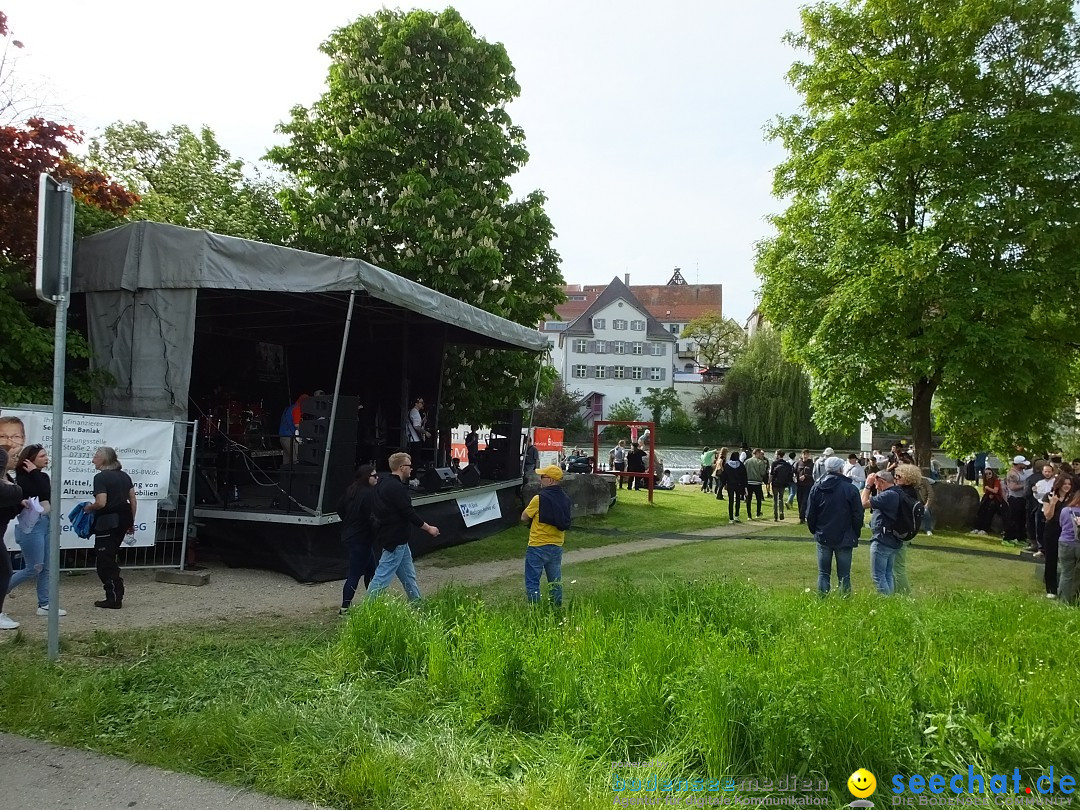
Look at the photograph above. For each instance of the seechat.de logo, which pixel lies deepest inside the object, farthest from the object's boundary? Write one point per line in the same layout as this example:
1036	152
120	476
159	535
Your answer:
862	785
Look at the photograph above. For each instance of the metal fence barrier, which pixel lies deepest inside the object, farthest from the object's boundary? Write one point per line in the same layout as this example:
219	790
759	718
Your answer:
173	527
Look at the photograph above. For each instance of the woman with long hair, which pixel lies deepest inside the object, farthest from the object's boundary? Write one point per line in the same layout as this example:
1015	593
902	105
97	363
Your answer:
34	542
993	501
357	533
1069	549
1065	487
718	469
114	508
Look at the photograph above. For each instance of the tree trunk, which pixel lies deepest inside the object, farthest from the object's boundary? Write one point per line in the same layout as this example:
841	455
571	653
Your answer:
921	423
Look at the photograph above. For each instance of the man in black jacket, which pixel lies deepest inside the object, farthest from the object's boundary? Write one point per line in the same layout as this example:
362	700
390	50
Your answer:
834	515
394	516
781	475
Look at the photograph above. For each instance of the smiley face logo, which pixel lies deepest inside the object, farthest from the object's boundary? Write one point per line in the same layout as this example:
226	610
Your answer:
862	783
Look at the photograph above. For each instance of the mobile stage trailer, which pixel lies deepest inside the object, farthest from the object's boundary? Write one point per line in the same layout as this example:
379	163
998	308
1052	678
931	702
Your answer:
188	321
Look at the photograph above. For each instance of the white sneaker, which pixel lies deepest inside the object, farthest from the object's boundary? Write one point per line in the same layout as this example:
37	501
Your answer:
929	534
1051	596
7	623
44	611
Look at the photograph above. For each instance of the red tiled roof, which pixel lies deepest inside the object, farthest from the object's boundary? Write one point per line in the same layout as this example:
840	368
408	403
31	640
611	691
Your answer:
684	301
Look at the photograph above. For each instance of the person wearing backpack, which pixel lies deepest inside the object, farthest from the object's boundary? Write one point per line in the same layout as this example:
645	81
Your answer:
892	512
549	514
733	478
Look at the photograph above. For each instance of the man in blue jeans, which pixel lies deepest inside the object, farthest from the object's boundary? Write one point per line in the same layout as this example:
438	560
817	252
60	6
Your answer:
549	514
393	515
834	516
880	496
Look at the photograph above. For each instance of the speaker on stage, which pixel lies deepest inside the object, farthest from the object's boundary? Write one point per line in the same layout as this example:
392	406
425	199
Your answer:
505	446
470	476
438	479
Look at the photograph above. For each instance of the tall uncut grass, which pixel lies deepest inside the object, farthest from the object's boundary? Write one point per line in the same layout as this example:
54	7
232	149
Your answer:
461	704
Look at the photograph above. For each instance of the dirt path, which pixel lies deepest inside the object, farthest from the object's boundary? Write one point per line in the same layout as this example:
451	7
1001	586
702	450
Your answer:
240	593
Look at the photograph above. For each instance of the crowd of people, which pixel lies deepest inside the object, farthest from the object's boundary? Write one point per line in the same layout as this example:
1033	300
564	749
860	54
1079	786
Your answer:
25	497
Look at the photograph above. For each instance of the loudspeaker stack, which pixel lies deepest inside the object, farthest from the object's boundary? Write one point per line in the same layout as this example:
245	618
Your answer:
316	449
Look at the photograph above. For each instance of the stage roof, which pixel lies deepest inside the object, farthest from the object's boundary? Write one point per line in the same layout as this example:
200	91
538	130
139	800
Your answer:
156	256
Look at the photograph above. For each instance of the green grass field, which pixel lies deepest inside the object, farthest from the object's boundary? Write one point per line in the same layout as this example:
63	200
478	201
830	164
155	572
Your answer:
708	658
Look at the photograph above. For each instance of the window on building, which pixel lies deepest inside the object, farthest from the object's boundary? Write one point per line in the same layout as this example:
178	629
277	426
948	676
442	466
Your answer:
637	390
555	326
579	371
598	323
637	326
618	323
581	345
577	298
618	347
601	346
639	347
618	373
601	372
674	328
657	349
654	374
551	344
635	373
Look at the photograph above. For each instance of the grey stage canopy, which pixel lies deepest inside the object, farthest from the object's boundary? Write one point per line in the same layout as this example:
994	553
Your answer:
143	280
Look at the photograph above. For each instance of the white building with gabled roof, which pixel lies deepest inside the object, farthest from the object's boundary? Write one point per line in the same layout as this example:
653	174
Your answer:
613	350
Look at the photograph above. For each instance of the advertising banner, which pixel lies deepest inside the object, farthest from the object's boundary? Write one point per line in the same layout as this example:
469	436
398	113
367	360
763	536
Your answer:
548	439
479	508
143	446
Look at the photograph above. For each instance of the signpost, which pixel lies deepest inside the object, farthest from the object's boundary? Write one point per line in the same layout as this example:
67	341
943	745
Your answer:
56	228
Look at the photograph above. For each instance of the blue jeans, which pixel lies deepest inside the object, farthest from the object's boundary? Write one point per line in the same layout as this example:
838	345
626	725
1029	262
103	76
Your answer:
34	546
549	560
397	562
825	557
881	566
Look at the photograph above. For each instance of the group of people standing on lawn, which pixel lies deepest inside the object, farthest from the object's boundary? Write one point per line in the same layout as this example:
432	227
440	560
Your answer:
25	497
1039	507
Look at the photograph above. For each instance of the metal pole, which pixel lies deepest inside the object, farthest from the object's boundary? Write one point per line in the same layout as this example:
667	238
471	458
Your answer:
56	459
189	504
334	404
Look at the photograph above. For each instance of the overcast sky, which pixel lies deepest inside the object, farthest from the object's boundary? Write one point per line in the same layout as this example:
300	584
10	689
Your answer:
644	121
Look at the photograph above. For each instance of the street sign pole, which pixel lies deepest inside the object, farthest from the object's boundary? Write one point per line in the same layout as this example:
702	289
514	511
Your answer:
56	228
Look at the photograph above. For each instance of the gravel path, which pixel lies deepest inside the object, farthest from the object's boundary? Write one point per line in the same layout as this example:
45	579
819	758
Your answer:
234	593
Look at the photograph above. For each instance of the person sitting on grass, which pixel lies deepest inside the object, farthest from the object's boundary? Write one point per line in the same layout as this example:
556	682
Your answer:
549	514
665	481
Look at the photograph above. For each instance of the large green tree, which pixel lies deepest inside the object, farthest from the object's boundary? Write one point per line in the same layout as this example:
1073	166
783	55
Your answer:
405	161
768	398
26	324
719	340
928	249
187	178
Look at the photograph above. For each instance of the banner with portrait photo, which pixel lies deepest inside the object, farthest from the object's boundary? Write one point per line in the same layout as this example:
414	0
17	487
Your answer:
143	446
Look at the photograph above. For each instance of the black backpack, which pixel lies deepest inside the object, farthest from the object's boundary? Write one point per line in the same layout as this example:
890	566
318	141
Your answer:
909	517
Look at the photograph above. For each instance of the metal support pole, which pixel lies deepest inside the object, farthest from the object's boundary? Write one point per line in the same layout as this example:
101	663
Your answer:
56	458
189	503
334	404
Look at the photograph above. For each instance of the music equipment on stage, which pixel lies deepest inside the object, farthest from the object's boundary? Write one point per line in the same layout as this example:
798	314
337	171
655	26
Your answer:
500	460
438	479
302	481
470	476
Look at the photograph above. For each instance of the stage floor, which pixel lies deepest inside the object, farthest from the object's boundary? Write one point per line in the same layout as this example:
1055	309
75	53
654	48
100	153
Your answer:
258	504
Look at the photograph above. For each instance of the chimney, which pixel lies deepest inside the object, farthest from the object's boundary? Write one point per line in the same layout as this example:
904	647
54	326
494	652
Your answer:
627	279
